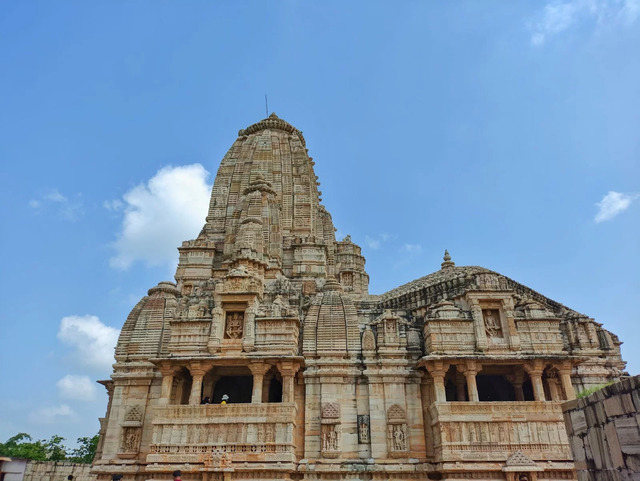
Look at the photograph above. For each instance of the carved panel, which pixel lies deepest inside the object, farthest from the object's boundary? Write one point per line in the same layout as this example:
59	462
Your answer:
330	437
397	435
368	341
492	324
130	439
396	413
234	325
363	429
331	411
134	414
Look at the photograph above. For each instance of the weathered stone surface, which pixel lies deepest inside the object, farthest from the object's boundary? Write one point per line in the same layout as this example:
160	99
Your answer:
459	374
611	438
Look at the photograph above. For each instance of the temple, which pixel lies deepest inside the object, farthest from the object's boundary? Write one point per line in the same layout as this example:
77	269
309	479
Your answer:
268	359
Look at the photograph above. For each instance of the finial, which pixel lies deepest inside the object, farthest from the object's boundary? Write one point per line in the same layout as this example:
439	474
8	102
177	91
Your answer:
447	261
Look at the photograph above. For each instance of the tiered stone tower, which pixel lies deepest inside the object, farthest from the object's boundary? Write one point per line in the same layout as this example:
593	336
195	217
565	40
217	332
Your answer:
457	375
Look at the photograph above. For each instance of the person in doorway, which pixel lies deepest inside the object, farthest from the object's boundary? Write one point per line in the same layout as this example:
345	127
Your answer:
177	475
225	398
206	400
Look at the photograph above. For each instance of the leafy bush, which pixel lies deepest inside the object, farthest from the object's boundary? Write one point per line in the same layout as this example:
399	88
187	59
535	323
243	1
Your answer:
593	389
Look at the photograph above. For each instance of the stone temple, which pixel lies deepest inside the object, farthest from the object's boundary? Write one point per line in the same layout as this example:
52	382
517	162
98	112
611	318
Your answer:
457	375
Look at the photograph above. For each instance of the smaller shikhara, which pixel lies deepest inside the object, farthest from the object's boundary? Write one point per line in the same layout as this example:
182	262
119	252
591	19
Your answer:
268	359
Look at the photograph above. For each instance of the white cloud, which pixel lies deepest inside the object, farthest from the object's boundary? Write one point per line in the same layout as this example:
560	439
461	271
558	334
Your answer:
51	414
613	204
55	196
558	16
113	205
76	387
93	341
376	241
171	207
68	209
413	248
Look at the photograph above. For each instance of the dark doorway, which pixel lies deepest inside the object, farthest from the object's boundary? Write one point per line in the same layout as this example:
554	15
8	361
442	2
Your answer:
275	391
527	390
238	388
495	388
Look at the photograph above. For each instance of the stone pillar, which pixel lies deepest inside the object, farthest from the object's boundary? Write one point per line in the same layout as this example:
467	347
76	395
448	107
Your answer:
516	381
470	373
535	373
167	384
438	370
287	371
552	382
461	394
567	386
197	373
258	370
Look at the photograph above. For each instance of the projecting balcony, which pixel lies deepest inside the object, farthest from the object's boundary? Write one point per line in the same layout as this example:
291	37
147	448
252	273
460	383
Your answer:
492	431
240	432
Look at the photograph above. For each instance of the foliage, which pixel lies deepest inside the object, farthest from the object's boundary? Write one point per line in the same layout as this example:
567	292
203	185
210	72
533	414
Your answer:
22	446
592	389
86	450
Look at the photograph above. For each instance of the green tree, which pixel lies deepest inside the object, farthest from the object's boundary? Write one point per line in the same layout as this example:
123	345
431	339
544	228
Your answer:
21	446
55	450
86	450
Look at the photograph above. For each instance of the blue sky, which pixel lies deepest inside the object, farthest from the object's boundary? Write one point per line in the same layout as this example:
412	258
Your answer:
506	132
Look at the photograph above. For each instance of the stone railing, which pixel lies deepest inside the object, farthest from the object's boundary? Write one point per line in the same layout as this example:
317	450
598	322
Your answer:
245	432
226	413
492	431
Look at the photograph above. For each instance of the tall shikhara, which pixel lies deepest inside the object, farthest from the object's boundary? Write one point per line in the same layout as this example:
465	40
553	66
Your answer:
457	375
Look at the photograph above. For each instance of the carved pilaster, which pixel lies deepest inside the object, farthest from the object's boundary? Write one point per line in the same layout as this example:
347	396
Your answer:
249	340
478	328
217	327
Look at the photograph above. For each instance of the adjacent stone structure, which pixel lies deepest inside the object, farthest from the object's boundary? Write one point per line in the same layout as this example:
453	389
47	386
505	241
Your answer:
604	432
457	375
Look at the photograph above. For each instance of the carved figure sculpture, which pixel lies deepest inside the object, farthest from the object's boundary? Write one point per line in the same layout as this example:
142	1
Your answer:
235	321
363	428
492	323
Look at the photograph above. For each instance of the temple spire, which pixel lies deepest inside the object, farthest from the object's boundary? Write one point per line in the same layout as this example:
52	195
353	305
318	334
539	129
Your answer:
447	261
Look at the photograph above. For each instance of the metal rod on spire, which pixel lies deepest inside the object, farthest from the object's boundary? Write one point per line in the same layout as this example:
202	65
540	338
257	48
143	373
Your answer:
266	105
